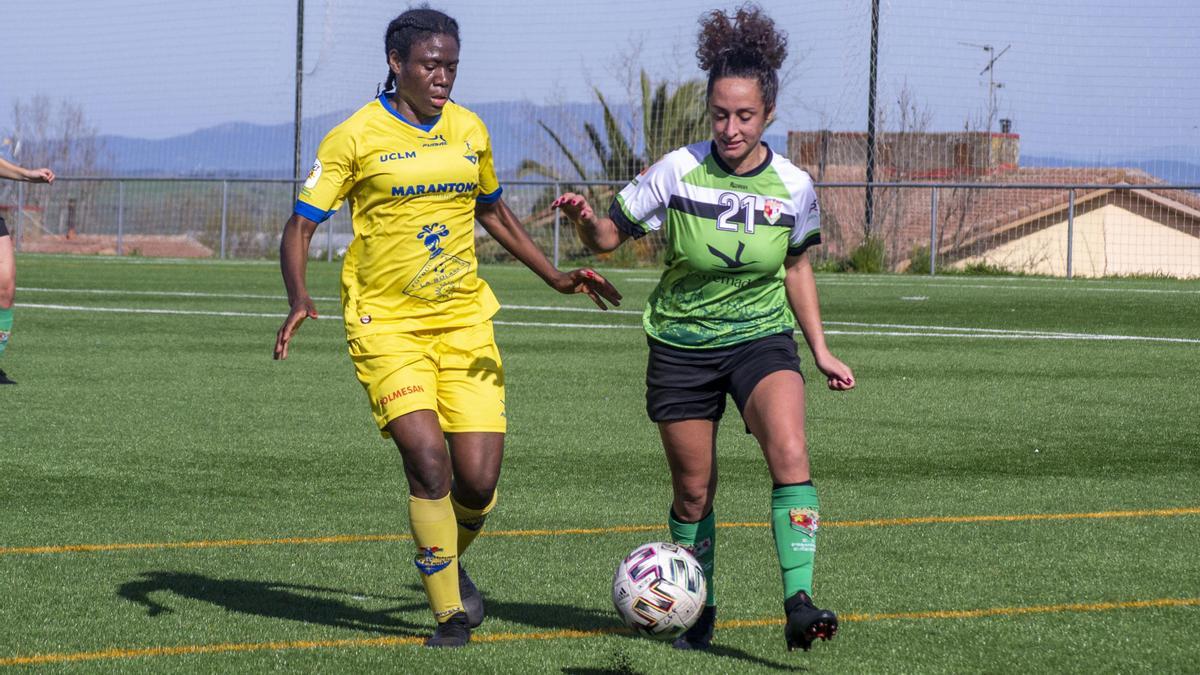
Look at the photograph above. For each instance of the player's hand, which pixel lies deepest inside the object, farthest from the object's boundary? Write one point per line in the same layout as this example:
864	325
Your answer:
40	175
303	309
839	376
587	281
575	207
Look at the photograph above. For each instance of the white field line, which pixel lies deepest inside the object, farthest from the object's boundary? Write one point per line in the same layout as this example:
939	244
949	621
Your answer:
167	294
935	284
931	284
283	299
909	330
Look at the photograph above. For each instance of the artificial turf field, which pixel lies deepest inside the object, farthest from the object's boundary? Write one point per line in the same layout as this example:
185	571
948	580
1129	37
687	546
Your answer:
1014	485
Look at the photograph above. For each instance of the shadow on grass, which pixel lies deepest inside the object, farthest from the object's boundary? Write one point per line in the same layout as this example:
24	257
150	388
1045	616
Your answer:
622	665
337	607
308	604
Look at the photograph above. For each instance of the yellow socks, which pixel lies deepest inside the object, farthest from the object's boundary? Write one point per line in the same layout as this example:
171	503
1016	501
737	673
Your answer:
436	535
470	521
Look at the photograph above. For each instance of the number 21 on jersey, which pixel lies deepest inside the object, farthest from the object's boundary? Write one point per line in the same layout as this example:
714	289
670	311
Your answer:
733	206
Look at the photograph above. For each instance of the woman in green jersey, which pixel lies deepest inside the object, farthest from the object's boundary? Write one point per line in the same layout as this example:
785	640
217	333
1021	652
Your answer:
8	263
738	219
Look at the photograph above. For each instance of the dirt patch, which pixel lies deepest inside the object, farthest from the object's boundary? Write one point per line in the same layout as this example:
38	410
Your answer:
154	246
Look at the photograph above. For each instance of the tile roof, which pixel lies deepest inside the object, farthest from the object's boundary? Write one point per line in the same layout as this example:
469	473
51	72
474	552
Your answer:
968	216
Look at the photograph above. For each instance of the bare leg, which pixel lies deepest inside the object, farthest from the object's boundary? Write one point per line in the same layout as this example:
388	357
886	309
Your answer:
475	458
691	447
8	273
423	449
775	415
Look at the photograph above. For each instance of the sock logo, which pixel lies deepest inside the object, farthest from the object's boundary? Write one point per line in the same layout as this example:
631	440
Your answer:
805	520
473	524
701	547
429	562
446	614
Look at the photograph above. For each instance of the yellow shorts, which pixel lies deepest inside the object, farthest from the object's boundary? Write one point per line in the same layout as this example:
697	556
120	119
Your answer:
455	372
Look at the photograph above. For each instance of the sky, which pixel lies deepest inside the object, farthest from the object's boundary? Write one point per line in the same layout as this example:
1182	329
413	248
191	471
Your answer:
1081	78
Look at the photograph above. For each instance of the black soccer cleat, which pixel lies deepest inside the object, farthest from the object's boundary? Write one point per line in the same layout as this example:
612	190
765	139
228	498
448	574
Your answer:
472	599
806	623
699	636
453	632
4	378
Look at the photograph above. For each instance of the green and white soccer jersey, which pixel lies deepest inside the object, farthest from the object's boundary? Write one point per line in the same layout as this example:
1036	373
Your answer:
727	237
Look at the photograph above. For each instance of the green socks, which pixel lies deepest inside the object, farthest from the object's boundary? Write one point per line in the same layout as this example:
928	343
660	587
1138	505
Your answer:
699	537
795	517
5	327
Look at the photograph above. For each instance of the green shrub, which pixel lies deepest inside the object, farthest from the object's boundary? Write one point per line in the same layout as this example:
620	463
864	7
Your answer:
867	257
984	269
918	260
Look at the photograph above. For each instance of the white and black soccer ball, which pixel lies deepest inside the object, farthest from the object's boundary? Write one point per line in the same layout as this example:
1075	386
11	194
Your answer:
659	590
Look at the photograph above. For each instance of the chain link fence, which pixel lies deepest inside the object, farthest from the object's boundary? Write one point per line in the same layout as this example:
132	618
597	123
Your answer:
1081	229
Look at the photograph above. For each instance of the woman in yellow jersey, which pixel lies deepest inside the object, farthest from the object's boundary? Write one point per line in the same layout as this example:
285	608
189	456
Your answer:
417	171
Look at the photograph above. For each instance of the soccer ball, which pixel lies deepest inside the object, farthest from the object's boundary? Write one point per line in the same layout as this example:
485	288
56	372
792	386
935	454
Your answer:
659	590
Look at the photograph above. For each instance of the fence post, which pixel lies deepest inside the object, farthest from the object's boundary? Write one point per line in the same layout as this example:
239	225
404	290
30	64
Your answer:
557	222
121	217
329	240
224	211
933	206
20	216
1070	232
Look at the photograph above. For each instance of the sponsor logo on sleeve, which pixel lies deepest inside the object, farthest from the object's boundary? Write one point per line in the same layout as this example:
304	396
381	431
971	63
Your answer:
314	175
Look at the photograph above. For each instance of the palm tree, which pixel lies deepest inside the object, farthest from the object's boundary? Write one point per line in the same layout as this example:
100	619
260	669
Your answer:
670	119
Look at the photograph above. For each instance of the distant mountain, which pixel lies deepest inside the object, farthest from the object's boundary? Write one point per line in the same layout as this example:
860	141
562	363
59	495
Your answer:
1171	171
265	151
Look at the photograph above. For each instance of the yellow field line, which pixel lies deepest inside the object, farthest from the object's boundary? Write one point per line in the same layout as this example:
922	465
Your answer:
618	529
395	641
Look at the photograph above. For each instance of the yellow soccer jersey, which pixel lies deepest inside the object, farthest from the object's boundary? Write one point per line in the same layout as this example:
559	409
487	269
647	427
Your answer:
412	191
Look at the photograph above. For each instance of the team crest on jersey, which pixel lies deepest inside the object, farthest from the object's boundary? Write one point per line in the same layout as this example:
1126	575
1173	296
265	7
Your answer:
431	236
314	175
805	520
470	156
772	209
429	562
439	278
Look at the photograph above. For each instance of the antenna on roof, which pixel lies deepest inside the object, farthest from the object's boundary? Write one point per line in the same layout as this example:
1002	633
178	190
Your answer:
990	69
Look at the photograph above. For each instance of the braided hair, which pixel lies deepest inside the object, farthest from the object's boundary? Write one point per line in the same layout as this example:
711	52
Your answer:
745	44
413	26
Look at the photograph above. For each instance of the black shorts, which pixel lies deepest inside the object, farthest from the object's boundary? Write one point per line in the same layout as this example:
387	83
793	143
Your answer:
688	384
3	228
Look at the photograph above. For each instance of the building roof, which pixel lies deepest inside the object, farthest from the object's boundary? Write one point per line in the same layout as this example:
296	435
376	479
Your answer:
970	218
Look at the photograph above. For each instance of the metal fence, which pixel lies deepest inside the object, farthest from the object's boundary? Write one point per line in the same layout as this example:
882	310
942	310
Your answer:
1082	229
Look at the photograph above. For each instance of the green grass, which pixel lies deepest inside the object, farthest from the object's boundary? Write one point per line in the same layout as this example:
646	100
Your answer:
160	428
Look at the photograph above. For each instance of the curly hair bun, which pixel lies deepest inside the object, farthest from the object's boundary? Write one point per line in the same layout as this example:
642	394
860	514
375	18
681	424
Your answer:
747	39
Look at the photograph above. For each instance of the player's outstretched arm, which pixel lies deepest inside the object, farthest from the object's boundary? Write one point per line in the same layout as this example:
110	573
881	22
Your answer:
599	234
801	288
506	228
13	172
293	262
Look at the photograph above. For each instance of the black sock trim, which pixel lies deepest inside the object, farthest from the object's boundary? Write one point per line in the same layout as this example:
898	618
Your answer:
808	482
675	516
